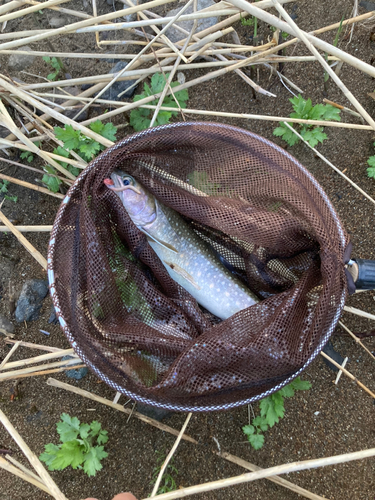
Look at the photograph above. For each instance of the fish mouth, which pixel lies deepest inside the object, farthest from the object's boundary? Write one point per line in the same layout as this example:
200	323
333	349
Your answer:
117	181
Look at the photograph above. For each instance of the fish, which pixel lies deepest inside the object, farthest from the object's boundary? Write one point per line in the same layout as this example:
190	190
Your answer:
188	259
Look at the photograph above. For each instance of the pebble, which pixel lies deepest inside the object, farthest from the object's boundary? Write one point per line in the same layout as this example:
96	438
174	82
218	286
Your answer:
18	62
6	325
57	21
31	299
117	88
76	373
52	317
175	35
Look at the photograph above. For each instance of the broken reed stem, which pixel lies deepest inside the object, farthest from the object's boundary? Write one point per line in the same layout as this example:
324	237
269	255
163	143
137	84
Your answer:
170	455
36	359
354	337
22	467
36	464
24	242
48	372
266	473
28	229
302	36
7	334
29	10
4	464
348	374
30	345
68	363
86	394
8	356
358	312
331	165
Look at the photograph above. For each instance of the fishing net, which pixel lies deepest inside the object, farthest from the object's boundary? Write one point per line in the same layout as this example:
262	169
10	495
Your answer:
143	334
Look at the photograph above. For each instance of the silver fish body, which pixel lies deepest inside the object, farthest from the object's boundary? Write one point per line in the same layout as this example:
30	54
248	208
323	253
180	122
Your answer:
188	259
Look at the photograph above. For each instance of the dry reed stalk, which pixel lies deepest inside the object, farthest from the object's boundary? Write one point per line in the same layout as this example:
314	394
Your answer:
348	374
22	467
8	356
70	12
344	89
67	364
358	312
10	6
332	166
354	337
4	464
29	10
71	28
36	359
226	456
95	14
28	229
170	455
30	186
30	345
43	474
128	67
47	372
7	334
24	242
266	473
86	394
343	108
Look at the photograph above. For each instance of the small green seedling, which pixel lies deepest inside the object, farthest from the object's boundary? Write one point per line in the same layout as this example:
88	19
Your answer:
167	483
80	446
75	141
305	110
56	64
271	410
4	189
140	118
371	169
28	155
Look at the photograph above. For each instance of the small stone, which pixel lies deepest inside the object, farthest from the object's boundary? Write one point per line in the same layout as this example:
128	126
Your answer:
316	413
52	317
57	21
30	301
18	62
6	325
175	35
117	88
75	373
181	78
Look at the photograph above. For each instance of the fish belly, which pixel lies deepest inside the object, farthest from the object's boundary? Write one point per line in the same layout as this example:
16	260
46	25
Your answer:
196	268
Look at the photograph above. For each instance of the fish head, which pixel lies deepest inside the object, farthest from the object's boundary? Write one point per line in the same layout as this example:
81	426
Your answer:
138	202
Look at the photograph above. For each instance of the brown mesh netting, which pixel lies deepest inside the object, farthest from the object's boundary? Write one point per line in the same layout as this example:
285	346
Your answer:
145	335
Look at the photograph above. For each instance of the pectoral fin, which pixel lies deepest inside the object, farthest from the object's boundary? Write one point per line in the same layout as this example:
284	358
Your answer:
159	242
179	270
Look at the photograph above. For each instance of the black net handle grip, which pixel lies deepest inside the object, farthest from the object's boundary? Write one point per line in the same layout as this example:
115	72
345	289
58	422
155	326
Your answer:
366	274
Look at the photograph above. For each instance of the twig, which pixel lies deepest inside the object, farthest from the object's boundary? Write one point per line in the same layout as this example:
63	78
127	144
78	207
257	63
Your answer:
343	108
69	363
170	455
8	356
36	359
340	371
28	229
29	10
348	374
29	247
22	467
26	477
31	186
48	372
45	477
34	346
356	338
7	334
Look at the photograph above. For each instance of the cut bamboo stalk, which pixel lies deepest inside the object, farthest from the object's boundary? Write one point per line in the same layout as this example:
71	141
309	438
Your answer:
332	166
31	186
29	247
170	455
28	229
34	346
70	363
22	467
302	36
8	356
26	477
348	374
354	337
76	390
36	359
43	474
266	473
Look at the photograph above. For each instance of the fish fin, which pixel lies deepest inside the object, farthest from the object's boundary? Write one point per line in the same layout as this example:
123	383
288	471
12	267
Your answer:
160	242
179	270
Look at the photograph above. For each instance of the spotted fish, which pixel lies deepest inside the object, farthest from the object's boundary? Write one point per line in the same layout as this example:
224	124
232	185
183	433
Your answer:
189	260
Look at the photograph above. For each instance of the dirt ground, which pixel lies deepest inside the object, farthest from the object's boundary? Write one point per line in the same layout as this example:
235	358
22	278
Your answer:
326	420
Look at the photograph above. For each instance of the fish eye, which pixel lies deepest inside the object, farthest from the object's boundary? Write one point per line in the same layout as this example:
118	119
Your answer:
126	181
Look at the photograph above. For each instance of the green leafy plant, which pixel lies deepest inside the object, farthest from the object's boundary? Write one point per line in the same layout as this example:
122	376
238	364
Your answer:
305	110
28	155
371	169
78	448
74	140
271	410
167	483
56	64
250	21
140	118
4	189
